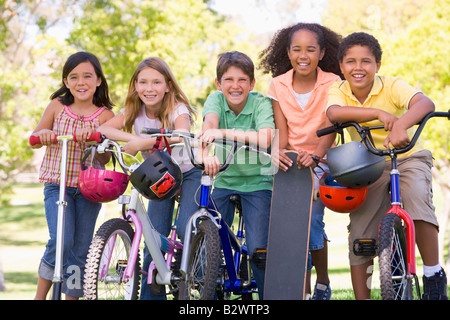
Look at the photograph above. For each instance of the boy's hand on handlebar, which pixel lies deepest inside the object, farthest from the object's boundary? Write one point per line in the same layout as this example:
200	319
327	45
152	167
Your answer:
210	162
208	136
398	138
387	119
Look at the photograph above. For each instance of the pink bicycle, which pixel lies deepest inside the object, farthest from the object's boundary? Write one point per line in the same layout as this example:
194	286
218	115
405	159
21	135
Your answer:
113	263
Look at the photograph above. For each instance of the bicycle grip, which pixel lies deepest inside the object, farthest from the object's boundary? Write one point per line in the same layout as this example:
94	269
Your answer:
325	131
96	136
155	131
37	140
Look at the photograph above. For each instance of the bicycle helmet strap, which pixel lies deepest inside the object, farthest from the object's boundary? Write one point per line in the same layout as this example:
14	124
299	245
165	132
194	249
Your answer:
158	144
87	152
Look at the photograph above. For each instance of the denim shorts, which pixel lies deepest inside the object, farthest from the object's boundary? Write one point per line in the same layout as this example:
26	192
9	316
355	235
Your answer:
80	217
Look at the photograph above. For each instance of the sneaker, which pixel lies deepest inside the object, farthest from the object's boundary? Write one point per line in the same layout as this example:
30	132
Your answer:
435	287
322	291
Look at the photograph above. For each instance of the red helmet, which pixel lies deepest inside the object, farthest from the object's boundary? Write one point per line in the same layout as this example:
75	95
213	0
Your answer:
339	198
100	185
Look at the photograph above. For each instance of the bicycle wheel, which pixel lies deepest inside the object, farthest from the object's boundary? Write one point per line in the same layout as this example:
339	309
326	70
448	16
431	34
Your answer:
203	265
106	263
394	281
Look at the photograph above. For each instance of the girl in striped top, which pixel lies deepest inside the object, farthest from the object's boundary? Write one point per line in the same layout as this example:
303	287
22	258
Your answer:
78	108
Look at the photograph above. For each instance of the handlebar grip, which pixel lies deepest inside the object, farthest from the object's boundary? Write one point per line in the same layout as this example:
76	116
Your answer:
325	131
37	140
97	136
155	131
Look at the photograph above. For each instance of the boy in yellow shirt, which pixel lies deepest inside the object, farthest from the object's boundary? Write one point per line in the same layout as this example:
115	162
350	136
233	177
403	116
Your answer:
372	100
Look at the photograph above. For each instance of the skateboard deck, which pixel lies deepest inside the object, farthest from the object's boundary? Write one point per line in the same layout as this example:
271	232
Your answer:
287	248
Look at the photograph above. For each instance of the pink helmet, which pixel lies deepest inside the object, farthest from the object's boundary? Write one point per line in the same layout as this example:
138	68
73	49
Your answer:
100	185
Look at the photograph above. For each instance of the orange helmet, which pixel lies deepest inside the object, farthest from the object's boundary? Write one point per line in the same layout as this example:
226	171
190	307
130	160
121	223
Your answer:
339	198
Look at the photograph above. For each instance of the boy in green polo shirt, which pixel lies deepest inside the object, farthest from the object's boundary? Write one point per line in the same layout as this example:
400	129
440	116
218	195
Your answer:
372	100
236	113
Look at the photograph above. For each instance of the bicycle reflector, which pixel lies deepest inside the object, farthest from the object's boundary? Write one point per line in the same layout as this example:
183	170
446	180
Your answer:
339	198
352	165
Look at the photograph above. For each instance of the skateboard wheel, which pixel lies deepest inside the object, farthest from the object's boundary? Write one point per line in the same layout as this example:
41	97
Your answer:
316	195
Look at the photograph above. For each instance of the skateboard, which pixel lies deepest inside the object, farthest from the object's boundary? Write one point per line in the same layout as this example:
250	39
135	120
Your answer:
289	225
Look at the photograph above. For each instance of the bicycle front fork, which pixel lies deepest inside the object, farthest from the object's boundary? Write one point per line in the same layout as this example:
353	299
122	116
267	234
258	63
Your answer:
409	223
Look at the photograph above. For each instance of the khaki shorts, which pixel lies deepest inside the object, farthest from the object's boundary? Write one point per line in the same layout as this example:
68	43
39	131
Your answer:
416	196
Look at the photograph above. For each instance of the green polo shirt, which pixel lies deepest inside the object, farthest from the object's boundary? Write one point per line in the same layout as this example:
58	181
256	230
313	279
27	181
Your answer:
249	171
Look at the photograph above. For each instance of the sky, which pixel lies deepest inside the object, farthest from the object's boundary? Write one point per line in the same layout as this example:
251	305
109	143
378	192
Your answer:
261	16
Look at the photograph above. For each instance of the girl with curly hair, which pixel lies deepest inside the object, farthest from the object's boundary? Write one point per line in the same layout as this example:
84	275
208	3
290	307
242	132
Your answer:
303	62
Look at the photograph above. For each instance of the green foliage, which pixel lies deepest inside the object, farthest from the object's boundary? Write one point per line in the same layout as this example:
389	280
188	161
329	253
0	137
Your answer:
25	82
186	34
414	38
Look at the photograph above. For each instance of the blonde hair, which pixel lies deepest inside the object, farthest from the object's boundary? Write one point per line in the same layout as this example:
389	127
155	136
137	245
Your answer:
133	103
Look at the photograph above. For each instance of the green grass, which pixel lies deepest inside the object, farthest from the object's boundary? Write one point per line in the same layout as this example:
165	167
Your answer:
23	235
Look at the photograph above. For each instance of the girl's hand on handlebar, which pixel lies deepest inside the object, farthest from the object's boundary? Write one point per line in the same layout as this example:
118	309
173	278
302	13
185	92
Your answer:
47	137
81	135
133	146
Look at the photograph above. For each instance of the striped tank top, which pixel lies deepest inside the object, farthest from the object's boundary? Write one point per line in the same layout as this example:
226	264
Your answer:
66	123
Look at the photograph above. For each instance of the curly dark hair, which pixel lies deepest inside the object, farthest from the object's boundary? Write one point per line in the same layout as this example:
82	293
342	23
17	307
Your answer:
360	39
275	59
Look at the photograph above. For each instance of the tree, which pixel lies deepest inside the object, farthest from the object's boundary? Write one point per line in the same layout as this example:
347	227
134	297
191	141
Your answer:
25	60
186	34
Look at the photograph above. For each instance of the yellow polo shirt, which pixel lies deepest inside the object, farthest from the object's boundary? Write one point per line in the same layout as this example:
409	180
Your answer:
391	94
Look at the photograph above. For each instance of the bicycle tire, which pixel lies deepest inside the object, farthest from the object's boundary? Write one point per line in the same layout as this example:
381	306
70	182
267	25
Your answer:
394	281
111	286
203	264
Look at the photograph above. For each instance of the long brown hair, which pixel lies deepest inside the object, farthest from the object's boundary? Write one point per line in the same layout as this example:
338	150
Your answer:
133	103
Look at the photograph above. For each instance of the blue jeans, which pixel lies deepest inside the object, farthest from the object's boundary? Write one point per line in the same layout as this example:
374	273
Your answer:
256	212
161	215
317	231
80	217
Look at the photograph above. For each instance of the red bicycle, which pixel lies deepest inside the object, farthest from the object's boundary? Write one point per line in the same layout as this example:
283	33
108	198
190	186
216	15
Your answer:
396	238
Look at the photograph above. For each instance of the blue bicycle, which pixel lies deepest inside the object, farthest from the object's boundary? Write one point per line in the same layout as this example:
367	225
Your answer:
215	262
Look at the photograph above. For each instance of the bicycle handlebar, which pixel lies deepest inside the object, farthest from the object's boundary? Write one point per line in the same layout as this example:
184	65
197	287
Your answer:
364	133
236	146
